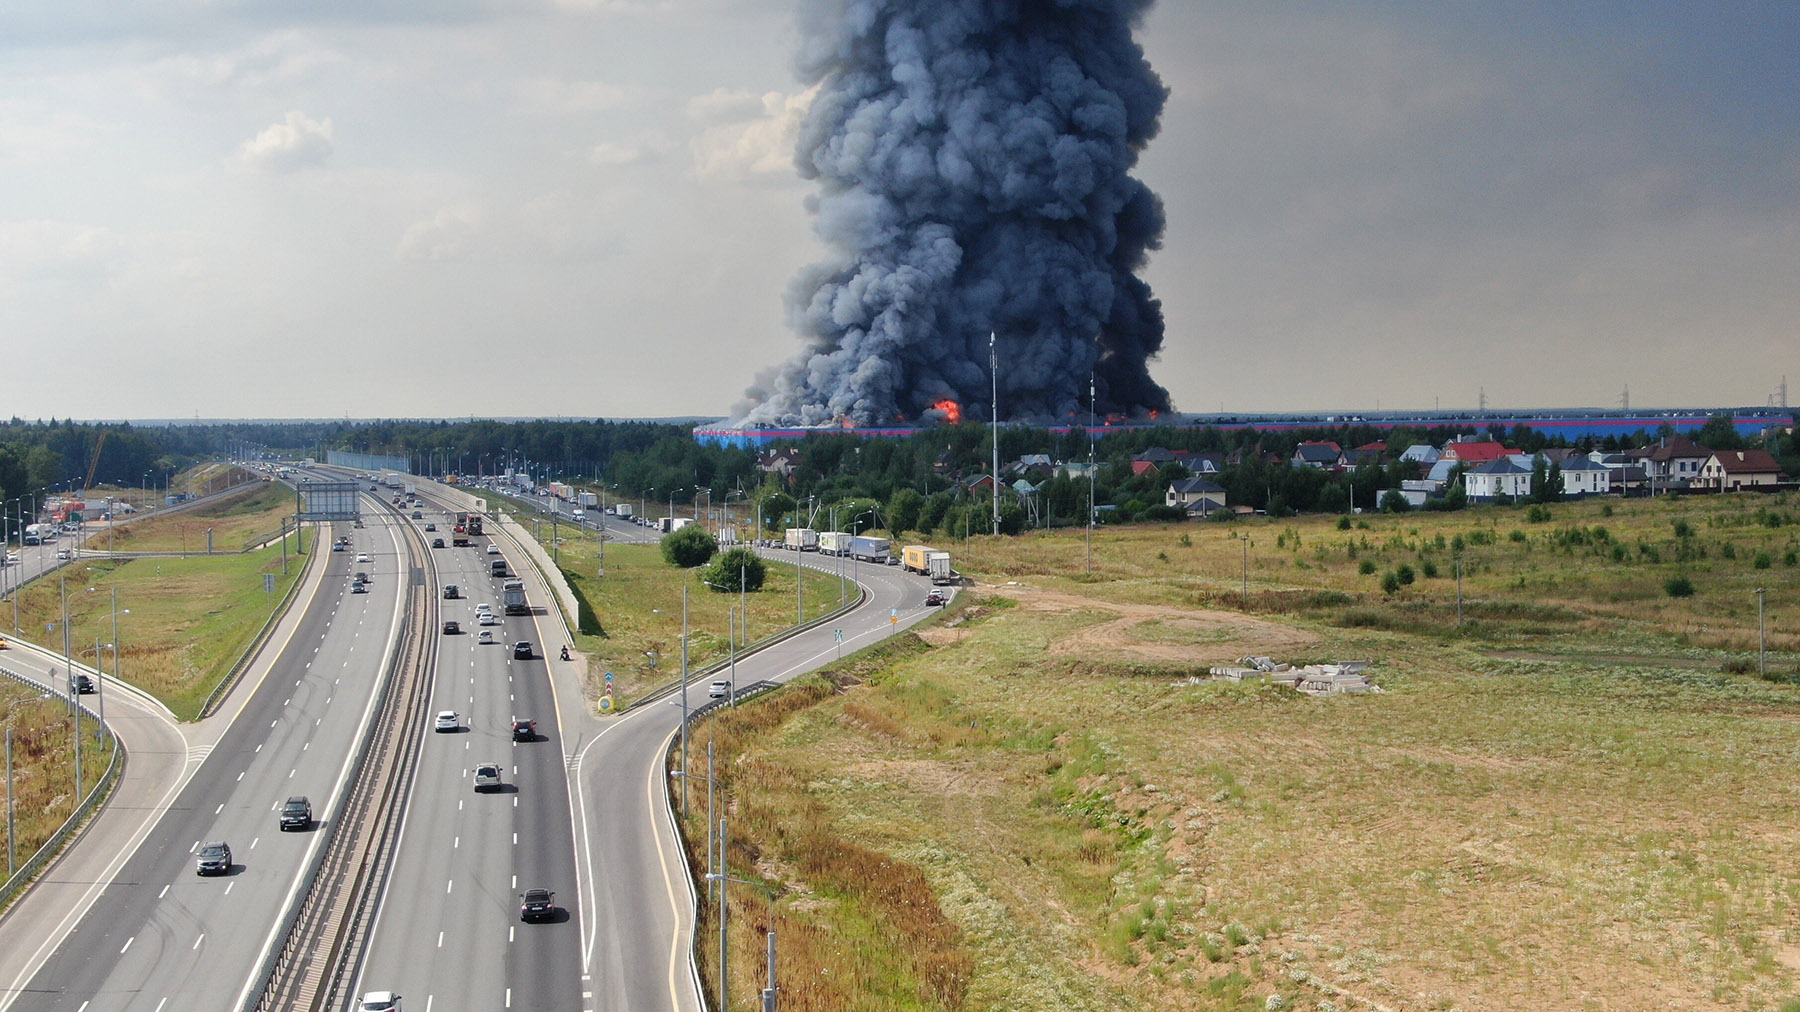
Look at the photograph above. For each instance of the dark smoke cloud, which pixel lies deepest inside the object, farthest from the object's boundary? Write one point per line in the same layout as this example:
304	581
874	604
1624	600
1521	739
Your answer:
973	161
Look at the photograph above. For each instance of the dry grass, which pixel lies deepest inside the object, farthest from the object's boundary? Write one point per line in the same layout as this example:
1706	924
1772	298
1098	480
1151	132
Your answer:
43	764
244	518
1598	828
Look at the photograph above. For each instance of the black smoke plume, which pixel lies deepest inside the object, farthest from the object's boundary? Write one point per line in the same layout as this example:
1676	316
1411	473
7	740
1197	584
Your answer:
973	160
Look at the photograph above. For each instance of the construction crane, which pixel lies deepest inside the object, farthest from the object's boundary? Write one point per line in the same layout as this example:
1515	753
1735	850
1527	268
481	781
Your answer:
94	465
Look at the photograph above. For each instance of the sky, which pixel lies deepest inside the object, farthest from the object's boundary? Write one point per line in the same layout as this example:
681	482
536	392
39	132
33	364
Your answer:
379	208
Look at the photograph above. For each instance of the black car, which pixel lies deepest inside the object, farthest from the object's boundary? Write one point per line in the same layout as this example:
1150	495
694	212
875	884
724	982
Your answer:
213	859
430	527
537	904
437	542
451	592
296	813
452	627
81	683
524	729
522	651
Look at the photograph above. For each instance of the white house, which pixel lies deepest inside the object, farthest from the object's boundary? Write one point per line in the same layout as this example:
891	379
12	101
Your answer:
1582	477
1500	476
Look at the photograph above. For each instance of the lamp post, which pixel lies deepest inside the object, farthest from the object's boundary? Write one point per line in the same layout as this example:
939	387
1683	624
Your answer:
710	791
724	877
1762	639
684	699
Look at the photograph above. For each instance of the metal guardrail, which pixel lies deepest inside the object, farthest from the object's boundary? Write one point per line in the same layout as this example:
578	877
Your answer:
51	847
338	893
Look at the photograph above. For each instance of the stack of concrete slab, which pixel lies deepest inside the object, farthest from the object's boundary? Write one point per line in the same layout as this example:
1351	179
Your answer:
1313	679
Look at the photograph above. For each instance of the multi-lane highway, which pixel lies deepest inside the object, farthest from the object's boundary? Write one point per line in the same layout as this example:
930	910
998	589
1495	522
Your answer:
582	811
158	936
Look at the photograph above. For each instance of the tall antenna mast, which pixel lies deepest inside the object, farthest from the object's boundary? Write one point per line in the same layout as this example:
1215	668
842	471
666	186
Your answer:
1625	399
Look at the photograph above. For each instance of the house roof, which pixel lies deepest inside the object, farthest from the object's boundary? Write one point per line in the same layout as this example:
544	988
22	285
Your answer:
1202	462
1195	486
1500	465
1143	466
1475	452
1424	453
1679	448
1376	447
1581	464
1747	461
1440	469
1321	453
1156	454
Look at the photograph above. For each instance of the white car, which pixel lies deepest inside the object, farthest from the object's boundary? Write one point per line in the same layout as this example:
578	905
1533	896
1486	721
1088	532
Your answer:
719	689
484	637
379	1001
363	557
489	618
447	720
63	553
493	549
484	608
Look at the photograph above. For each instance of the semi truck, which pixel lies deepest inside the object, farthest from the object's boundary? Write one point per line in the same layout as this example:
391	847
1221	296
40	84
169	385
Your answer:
802	539
927	561
833	542
512	597
870	549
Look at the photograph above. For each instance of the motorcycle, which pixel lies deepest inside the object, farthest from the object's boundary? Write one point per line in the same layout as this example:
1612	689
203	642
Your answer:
565	653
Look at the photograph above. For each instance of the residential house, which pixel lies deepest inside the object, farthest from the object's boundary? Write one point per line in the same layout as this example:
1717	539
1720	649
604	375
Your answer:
1473	452
780	462
1417	490
1368	453
980	484
944	464
1439	473
1196	495
1676	461
1156	455
1584	477
1210	462
1139	468
1424	454
1488	481
1323	455
1078	468
1731	470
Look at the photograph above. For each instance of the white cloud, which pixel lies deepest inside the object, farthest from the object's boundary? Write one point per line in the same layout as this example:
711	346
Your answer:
725	105
761	145
44	248
547	95
447	235
609	155
298	142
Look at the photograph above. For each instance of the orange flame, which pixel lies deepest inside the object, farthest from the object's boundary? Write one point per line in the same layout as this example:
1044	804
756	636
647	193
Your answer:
1154	414
952	411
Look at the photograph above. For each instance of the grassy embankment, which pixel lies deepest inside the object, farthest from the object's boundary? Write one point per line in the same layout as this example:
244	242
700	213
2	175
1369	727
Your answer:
638	603
189	619
44	764
249	516
1574	801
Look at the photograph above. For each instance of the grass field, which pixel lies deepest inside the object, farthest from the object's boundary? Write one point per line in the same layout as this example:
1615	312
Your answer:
43	753
237	521
1577	799
183	622
638	603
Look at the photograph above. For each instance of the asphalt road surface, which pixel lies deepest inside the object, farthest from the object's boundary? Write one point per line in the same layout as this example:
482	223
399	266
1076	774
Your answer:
159	936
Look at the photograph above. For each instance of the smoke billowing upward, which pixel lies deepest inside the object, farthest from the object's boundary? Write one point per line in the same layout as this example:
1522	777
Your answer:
973	161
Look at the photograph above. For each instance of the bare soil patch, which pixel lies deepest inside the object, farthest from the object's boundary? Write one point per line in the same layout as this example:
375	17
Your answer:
1200	635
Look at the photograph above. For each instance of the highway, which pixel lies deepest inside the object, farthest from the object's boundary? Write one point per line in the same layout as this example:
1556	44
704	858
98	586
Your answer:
448	934
158	936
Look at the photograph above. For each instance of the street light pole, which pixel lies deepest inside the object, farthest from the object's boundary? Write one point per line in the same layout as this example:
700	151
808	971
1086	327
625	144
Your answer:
1762	639
684	702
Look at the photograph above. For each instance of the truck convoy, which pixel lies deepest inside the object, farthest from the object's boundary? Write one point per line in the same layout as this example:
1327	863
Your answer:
833	542
512	597
802	539
928	561
844	545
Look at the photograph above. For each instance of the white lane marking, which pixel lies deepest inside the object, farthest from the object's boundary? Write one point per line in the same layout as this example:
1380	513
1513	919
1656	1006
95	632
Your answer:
509	990
195	847
165	892
160	1004
241	775
515	839
228	886
440	945
305	746
272	723
259	748
254	842
288	701
219	809
128	942
197	941
456	844
448	886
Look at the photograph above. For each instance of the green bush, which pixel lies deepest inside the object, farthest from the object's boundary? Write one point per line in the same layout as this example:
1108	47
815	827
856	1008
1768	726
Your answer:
1390	582
728	566
689	547
1537	514
1405	573
1343	523
1763	560
1679	586
1366	567
1429	568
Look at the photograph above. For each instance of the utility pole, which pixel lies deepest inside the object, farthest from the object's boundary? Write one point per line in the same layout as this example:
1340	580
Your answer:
11	862
1088	550
724	956
684	705
1762	638
994	403
1459	619
1246	574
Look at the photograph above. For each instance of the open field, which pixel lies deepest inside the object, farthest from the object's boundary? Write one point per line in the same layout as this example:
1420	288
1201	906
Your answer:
43	753
638	603
237	521
182	624
1579	799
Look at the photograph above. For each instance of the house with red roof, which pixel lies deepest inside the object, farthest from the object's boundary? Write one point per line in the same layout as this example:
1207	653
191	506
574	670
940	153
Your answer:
1474	452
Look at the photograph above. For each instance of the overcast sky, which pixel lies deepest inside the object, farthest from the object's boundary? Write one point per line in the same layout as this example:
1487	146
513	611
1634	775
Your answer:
273	208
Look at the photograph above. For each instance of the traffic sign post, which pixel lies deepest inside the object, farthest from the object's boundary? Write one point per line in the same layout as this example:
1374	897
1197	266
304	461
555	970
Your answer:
838	634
